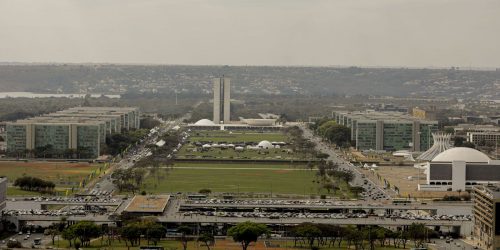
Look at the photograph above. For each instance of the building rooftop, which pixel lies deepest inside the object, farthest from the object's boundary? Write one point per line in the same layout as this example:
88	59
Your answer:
385	116
461	154
148	204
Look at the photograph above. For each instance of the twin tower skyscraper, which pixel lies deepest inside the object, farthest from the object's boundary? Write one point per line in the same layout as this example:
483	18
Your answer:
222	100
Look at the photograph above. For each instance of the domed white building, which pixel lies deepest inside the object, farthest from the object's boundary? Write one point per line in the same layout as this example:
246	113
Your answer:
461	154
460	169
204	122
265	145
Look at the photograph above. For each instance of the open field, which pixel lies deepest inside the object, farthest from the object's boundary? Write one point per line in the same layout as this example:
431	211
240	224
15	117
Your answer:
236	136
398	175
13	191
63	174
251	178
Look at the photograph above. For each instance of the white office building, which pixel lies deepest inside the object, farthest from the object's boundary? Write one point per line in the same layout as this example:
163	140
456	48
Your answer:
460	168
222	100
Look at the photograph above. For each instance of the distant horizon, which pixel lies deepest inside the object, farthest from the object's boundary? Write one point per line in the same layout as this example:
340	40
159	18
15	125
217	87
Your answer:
248	65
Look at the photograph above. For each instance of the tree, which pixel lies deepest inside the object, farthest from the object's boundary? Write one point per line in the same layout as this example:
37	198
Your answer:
53	232
338	134
185	232
85	231
207	240
155	232
69	235
247	232
138	174
417	232
132	233
205	191
308	231
330	186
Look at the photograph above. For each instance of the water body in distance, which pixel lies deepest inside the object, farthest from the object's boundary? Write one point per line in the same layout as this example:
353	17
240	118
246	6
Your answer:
37	95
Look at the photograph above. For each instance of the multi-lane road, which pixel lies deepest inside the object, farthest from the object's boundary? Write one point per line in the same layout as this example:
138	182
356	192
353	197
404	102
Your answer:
376	192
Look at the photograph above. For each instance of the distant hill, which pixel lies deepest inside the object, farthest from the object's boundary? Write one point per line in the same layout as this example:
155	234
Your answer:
133	79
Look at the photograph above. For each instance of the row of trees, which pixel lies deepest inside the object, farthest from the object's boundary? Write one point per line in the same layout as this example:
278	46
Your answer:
116	143
361	237
299	143
308	235
34	184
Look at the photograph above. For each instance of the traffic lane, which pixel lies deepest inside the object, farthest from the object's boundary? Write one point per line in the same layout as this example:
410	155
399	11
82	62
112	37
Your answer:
457	244
358	180
27	240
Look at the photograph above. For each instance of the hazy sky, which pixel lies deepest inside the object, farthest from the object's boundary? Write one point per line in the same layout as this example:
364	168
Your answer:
253	32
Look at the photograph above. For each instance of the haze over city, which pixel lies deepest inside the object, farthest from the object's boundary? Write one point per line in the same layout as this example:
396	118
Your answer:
423	33
250	124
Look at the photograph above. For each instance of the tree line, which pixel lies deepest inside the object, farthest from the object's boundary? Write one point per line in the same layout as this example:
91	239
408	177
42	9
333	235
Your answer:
29	183
305	235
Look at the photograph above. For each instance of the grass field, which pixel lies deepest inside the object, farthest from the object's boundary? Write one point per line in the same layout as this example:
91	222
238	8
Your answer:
249	178
13	191
63	174
236	136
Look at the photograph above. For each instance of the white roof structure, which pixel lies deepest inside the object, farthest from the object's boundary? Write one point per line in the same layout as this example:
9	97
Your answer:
265	145
204	122
462	154
160	143
442	142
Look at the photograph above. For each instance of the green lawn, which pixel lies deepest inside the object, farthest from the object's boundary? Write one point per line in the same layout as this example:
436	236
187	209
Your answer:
63	174
13	191
265	178
236	136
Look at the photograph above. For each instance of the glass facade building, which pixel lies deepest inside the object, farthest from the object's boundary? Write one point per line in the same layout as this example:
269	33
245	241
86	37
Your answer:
82	130
388	131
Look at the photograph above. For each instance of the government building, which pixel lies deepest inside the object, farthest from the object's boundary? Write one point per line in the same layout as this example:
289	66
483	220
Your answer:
461	169
79	130
390	131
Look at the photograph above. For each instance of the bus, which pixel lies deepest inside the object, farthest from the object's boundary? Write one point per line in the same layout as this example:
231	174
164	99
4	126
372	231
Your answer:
401	201
197	197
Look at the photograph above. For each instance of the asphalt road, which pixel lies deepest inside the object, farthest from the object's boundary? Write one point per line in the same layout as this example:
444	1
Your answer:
456	244
325	147
27	242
